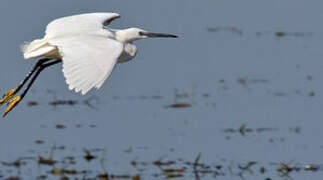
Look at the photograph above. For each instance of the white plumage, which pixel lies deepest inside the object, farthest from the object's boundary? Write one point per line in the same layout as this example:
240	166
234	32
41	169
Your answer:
81	23
88	50
87	60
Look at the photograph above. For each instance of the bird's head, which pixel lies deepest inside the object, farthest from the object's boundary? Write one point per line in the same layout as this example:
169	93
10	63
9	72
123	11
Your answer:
132	34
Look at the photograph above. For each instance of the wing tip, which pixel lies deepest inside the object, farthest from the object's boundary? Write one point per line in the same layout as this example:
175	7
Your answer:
81	90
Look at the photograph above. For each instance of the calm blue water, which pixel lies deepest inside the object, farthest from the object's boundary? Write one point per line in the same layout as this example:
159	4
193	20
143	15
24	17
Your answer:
254	65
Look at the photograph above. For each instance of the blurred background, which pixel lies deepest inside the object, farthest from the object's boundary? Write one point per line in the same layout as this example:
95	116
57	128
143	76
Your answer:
237	96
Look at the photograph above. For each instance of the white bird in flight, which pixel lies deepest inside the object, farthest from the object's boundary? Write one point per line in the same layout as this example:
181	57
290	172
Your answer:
86	47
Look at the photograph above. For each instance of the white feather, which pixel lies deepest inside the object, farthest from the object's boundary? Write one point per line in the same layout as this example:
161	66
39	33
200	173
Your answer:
65	26
88	60
78	24
87	49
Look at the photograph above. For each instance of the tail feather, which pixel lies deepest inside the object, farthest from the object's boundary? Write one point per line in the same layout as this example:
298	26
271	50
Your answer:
36	48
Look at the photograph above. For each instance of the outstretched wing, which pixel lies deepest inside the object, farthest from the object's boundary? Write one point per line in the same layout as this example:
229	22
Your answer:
79	23
88	60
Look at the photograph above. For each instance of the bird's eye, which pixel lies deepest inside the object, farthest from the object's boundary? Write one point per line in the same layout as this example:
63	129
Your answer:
141	33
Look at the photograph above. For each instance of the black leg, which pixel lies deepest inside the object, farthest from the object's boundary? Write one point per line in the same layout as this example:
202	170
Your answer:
37	68
41	67
31	72
9	94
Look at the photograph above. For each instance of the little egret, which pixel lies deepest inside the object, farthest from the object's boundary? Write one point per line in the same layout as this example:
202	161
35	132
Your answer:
86	47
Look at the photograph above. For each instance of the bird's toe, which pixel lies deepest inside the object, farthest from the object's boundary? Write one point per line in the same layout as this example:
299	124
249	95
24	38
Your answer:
12	103
7	96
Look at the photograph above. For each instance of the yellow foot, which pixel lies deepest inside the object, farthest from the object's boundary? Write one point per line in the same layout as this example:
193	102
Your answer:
12	104
7	96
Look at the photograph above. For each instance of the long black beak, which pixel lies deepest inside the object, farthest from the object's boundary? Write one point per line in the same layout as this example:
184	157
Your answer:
151	34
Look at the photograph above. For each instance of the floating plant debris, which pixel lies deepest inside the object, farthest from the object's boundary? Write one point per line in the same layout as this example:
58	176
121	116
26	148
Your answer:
46	161
234	30
242	81
179	105
60	126
32	103
88	156
12	178
170	168
280	33
39	142
166	163
294	34
63	102
243	129
16	163
174	176
57	171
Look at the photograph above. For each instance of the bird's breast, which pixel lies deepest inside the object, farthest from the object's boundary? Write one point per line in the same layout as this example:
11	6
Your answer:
128	53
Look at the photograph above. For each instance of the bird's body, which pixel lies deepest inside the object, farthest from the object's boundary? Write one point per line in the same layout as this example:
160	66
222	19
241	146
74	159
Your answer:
46	47
86	47
58	38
